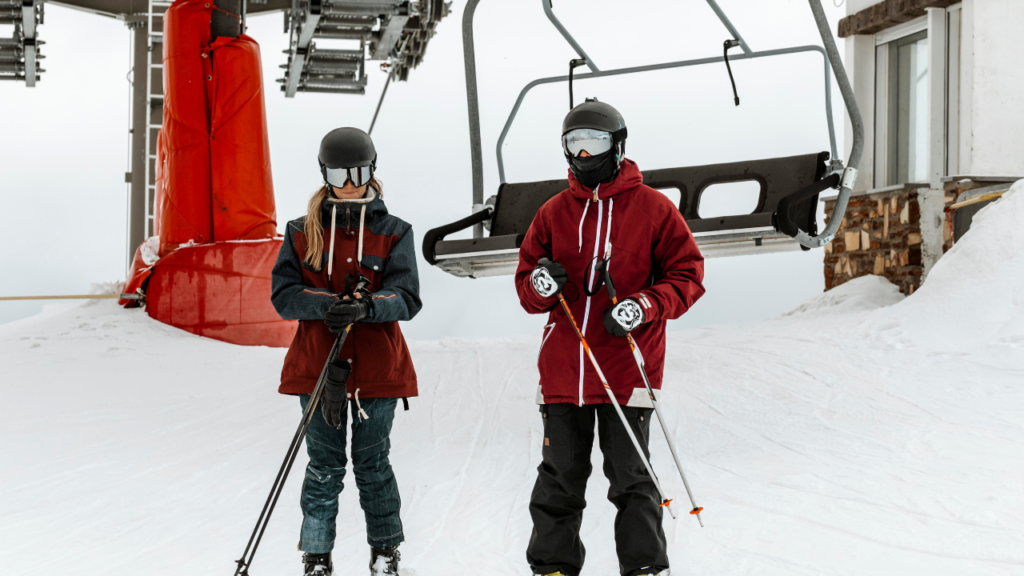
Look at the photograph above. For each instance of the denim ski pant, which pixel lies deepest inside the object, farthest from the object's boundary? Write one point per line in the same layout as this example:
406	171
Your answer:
558	498
378	490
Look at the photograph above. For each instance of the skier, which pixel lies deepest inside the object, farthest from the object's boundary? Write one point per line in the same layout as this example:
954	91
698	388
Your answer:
606	214
348	233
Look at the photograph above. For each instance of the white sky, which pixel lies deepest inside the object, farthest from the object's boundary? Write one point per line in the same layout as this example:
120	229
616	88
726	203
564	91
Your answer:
64	144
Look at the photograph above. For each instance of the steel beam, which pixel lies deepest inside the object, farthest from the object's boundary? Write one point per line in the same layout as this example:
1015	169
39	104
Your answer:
388	36
473	104
303	31
28	29
140	120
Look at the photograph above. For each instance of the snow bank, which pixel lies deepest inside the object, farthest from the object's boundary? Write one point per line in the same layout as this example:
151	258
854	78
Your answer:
973	296
863	294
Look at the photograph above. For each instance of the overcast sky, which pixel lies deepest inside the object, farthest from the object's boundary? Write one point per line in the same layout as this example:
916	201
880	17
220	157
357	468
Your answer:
64	144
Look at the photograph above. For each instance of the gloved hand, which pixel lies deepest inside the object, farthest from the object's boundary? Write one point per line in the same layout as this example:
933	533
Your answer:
345	312
548	278
623	318
335	396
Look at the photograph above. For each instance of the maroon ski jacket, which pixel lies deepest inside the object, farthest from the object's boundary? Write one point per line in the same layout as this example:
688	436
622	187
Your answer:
654	260
370	242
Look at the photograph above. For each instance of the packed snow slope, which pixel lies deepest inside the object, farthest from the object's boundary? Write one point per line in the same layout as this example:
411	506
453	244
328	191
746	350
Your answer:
862	433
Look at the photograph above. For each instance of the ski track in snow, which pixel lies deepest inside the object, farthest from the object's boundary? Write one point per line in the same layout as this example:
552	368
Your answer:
862	433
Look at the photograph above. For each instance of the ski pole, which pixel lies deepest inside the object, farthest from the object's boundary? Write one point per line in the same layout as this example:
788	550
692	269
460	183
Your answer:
279	484
665	501
282	474
354	284
650	391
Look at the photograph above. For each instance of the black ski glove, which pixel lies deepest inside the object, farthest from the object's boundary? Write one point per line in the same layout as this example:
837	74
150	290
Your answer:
345	312
548	278
623	318
335	397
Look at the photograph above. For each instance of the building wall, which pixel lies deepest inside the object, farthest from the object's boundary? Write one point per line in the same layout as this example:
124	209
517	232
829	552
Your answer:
997	95
900	232
880	235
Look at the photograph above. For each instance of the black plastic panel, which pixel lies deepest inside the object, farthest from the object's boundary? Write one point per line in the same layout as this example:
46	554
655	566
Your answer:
474	245
518	203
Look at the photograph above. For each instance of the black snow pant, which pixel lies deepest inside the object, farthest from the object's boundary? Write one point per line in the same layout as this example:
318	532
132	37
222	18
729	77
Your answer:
558	496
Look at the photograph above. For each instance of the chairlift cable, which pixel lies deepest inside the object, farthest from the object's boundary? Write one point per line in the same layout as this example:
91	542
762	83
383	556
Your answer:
380	102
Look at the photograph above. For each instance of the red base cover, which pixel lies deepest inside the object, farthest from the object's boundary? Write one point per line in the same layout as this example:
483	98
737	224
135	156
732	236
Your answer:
220	291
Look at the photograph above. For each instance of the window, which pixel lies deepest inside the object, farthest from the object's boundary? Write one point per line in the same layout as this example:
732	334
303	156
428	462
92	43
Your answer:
901	117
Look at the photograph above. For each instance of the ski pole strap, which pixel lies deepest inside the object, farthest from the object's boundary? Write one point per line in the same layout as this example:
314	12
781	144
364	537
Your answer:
405	403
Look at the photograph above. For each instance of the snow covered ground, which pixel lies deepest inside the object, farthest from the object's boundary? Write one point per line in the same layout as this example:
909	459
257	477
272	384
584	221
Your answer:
862	433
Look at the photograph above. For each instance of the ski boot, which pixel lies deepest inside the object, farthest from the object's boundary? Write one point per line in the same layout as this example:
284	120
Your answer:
384	561
318	564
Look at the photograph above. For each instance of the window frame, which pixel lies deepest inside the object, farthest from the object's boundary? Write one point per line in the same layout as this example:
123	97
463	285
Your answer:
884	141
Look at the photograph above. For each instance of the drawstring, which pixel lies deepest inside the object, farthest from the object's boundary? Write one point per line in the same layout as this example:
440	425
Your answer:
330	257
359	249
366	200
584	217
608	234
362	414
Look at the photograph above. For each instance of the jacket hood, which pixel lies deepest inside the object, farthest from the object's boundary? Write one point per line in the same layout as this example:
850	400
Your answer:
629	178
375	207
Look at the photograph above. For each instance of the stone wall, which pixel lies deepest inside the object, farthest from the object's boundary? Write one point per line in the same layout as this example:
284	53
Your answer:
880	235
881	232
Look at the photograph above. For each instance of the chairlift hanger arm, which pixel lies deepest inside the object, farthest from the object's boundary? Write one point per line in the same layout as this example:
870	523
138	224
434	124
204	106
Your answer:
568	37
473	106
670	65
850	174
728	26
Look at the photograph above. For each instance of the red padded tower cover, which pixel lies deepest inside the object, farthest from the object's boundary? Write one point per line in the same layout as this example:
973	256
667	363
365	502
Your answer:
217	182
214	208
242	189
220	291
183	197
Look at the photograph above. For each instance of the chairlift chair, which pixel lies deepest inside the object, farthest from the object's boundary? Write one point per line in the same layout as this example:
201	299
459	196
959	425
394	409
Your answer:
783	220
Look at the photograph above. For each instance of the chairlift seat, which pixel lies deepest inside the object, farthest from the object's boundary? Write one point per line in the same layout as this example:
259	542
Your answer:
787	202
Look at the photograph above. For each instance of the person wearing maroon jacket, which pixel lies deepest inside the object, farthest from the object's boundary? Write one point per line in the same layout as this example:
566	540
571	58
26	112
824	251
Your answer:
606	214
348	234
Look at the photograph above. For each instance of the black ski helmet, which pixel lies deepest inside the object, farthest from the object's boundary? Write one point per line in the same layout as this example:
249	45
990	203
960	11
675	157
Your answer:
346	148
597	116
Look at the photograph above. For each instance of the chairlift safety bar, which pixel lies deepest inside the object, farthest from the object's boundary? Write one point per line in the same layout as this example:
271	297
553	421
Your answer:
667	66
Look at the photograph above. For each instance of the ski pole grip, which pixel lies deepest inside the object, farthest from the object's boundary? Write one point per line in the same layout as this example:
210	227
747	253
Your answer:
608	280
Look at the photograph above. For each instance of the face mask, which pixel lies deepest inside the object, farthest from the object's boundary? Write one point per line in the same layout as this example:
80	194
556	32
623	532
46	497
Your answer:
594	170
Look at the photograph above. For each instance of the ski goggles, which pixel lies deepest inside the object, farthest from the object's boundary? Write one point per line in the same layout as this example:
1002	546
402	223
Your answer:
593	141
359	175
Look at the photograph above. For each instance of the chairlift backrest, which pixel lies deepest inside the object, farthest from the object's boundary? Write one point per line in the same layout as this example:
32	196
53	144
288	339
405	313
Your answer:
517	203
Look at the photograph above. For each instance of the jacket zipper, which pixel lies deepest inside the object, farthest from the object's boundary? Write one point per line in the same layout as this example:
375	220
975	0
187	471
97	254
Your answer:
593	263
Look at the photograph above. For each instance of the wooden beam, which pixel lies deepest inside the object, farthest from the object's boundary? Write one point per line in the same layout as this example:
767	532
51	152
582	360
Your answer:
887	14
